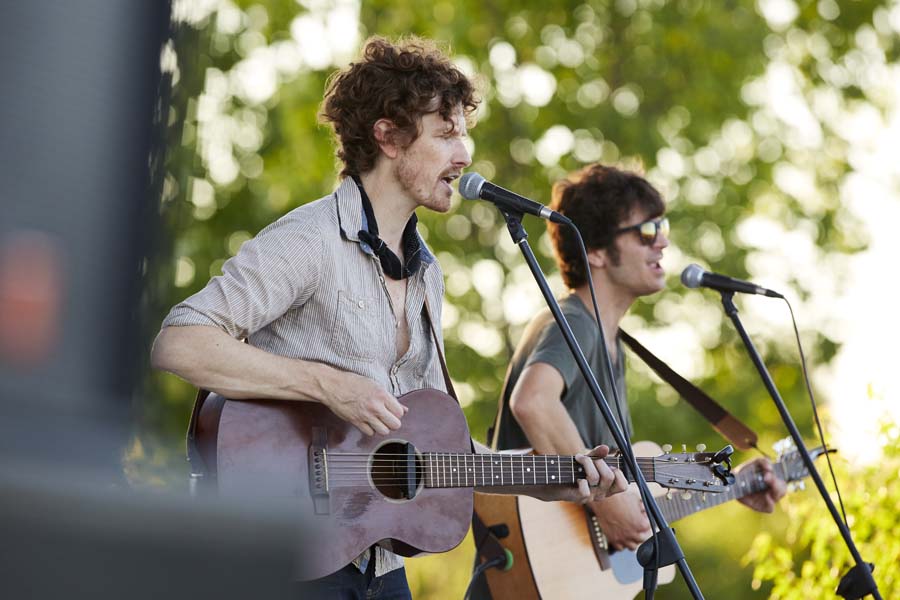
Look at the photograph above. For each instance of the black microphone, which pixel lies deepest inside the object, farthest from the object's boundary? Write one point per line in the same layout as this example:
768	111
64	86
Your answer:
473	186
694	276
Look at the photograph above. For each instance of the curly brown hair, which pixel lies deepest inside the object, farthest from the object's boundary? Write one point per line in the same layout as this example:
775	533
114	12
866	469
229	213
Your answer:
597	199
399	82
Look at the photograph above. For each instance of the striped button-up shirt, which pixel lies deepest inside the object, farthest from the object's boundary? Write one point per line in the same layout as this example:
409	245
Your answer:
306	287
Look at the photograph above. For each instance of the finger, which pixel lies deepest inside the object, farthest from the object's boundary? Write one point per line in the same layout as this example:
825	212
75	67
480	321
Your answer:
600	451
590	471
364	427
379	427
607	477
620	484
394	406
584	491
389	420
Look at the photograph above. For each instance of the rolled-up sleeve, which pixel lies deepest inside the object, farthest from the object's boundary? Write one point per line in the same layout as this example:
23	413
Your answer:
277	270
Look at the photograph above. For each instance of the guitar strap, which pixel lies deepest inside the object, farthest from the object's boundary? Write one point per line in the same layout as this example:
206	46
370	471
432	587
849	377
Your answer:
722	421
437	346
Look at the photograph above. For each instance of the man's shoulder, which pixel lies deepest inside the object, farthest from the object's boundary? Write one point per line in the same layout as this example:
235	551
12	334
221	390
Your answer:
319	214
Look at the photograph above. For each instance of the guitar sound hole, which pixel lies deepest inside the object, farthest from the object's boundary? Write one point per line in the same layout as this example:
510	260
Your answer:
390	470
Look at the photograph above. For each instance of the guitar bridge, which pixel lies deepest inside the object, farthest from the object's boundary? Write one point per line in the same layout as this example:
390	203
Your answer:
318	471
598	539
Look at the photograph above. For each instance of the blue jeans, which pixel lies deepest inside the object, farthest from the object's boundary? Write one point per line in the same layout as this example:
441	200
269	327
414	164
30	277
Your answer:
351	584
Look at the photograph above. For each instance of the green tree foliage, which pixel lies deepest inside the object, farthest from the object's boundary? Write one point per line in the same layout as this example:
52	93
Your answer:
813	557
732	107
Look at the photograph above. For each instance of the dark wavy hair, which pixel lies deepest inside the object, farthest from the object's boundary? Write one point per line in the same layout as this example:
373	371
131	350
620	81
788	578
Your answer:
400	82
597	199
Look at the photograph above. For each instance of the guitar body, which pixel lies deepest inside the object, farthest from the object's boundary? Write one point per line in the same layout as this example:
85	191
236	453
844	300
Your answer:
559	551
554	554
266	449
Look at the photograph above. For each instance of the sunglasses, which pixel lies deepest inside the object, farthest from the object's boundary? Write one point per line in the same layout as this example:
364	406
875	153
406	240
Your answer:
649	230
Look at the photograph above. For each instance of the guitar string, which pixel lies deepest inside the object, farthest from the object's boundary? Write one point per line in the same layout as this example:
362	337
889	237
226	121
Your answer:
444	473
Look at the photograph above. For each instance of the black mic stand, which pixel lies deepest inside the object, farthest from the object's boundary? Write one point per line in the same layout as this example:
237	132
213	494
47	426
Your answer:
651	557
858	582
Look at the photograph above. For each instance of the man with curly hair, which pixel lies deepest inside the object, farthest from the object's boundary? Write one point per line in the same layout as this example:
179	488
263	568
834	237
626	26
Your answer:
337	298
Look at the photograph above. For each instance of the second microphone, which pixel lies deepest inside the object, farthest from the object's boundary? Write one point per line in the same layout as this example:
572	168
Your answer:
473	186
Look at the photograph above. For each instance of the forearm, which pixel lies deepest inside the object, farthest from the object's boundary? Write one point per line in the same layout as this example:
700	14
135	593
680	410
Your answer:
209	358
550	429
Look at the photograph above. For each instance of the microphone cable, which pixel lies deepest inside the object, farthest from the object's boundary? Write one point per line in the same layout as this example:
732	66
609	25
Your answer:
812	400
615	392
499	561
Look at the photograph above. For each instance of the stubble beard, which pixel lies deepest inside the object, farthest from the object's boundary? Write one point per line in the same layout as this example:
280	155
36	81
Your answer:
406	174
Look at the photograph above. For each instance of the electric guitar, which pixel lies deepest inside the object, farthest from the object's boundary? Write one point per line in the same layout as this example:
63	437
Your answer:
559	550
410	491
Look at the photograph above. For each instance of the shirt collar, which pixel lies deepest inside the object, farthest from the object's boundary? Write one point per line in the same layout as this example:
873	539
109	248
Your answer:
352	218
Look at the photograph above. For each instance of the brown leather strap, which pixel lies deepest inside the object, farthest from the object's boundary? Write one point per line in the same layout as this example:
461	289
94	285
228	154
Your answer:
437	345
722	421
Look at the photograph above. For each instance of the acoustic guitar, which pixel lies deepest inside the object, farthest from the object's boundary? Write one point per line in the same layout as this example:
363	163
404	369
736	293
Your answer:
409	491
559	550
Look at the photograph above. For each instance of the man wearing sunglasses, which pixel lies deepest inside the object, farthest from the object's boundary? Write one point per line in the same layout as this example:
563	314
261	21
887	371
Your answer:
546	403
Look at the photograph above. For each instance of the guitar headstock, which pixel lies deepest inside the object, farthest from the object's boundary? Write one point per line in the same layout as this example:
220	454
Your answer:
696	471
791	462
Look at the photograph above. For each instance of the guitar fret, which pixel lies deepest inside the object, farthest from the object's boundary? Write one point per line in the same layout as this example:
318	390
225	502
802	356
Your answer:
466	469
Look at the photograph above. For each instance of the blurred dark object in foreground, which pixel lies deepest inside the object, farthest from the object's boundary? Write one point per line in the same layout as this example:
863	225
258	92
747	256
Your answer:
81	83
63	539
81	115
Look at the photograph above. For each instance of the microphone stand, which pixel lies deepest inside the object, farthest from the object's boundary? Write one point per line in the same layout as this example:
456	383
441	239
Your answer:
668	550
858	582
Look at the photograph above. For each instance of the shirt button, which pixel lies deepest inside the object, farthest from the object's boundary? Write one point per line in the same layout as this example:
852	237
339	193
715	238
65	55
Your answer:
361	304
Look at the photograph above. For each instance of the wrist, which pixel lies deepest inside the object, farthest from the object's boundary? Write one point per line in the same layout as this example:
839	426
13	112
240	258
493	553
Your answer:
316	381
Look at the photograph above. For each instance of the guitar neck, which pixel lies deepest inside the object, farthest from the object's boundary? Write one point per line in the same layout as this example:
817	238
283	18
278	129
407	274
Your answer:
749	481
443	469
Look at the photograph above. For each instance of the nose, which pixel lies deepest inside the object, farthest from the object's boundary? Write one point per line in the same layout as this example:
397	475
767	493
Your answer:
662	241
461	157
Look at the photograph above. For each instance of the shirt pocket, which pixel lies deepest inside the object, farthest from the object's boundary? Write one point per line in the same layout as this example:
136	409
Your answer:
355	331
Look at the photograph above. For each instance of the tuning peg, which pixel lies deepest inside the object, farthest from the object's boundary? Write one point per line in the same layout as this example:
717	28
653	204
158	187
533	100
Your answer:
686	495
701	447
666	448
801	485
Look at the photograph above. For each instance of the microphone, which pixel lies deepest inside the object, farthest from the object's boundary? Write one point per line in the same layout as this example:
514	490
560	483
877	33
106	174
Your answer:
694	276
473	186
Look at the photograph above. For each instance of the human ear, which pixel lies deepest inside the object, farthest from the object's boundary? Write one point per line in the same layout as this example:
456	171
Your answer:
597	258
385	134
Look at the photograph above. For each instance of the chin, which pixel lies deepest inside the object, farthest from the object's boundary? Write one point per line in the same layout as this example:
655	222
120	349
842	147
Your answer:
436	203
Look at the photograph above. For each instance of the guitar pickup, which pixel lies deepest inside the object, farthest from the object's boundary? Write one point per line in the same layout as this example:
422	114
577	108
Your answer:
318	471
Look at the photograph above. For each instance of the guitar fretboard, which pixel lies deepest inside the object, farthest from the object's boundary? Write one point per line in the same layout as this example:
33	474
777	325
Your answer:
444	469
676	506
